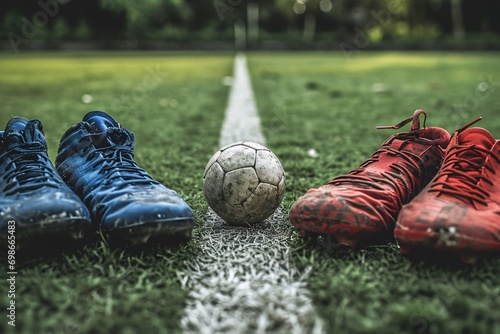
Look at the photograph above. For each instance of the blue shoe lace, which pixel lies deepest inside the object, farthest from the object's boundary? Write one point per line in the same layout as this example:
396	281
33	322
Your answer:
116	146
27	165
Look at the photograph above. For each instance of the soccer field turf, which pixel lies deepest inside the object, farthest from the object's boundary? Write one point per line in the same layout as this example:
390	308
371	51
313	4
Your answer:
175	102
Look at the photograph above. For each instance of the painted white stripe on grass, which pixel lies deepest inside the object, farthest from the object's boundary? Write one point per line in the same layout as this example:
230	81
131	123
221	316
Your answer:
242	119
243	279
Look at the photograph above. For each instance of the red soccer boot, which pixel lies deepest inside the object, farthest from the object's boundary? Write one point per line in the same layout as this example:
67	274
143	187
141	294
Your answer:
361	207
459	212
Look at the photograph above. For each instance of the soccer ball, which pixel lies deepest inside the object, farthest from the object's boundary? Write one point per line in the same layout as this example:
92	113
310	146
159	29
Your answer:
244	183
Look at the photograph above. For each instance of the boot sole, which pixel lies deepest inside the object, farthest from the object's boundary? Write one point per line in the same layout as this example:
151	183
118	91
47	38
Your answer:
169	232
342	233
49	236
414	242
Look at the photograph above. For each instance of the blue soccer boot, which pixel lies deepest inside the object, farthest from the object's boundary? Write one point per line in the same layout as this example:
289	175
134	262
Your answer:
36	206
96	160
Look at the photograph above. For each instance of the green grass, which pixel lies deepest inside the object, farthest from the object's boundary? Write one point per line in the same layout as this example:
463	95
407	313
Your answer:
177	126
306	100
321	101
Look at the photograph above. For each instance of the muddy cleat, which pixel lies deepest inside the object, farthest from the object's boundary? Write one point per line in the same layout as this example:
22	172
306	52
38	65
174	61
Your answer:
36	206
459	212
361	207
96	160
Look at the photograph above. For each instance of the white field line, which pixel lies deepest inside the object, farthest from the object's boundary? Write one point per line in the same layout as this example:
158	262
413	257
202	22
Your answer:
243	279
242	119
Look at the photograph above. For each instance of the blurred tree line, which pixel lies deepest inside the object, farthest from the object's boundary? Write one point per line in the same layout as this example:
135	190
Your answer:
355	21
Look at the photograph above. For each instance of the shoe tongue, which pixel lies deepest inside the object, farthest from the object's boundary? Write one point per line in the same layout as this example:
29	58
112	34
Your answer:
476	136
111	133
16	125
440	136
14	131
19	130
100	121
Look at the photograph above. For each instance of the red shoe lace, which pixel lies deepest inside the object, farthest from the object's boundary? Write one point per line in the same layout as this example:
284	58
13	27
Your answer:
462	172
401	173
